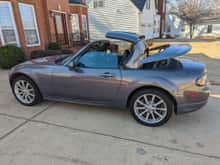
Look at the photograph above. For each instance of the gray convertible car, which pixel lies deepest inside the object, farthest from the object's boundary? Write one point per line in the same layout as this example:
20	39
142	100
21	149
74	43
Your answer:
117	72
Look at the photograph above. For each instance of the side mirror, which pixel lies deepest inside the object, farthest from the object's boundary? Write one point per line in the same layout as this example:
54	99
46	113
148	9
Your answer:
72	65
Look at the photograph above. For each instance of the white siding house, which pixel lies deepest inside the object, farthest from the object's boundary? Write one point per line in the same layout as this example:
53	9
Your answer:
138	16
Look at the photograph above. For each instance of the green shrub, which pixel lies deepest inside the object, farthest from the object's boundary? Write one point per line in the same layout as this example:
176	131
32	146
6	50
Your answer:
10	56
54	46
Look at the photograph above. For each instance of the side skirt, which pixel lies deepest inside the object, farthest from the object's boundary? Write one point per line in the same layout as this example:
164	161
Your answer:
85	102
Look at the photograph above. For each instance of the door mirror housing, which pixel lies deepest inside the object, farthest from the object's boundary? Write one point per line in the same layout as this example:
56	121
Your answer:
72	64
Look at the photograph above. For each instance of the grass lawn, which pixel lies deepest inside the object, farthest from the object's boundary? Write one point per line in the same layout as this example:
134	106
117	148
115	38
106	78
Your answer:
209	48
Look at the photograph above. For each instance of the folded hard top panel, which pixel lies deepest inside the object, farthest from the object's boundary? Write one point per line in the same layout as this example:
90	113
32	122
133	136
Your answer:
126	36
169	52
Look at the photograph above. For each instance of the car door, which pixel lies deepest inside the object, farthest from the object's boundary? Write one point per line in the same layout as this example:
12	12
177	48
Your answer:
95	77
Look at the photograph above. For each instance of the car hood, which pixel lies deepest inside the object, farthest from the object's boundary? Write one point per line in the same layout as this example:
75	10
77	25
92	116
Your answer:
50	60
170	52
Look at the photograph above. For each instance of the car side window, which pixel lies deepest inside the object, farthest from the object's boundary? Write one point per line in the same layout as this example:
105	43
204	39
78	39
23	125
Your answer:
99	60
101	55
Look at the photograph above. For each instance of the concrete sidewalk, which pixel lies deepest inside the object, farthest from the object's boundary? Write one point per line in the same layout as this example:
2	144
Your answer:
60	133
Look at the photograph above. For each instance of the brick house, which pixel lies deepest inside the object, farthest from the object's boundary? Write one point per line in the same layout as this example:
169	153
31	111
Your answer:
33	24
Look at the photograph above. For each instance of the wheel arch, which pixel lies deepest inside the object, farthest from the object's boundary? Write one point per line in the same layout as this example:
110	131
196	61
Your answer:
152	87
15	75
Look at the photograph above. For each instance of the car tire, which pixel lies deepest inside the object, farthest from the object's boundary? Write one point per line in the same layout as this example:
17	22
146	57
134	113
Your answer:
148	113
26	91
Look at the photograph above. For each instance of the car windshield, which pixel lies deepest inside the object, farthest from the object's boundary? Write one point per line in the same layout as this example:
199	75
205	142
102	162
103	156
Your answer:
64	60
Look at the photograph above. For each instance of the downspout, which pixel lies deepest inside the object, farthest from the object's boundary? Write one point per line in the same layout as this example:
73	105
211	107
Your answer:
46	20
67	28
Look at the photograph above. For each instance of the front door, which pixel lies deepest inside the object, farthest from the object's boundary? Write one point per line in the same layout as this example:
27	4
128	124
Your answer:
60	28
96	76
99	85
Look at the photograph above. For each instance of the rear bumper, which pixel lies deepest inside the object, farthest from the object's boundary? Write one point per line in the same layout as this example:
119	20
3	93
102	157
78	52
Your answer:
195	104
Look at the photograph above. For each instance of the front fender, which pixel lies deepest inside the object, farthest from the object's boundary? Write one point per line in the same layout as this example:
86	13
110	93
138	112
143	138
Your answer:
40	75
19	70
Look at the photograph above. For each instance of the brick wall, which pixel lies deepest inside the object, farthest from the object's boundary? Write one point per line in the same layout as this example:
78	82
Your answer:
45	20
40	22
81	11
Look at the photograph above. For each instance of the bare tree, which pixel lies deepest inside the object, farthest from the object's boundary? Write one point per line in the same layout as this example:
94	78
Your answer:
216	7
192	11
216	3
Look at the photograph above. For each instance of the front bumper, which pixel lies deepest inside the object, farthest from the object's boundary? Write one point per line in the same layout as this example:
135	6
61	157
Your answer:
193	104
185	108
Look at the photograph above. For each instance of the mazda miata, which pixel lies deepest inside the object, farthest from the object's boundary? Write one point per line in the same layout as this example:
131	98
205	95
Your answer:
104	72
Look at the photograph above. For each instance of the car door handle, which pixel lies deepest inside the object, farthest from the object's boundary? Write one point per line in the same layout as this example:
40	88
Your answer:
107	75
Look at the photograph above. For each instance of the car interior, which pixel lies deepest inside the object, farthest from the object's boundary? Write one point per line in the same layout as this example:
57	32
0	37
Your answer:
106	54
114	53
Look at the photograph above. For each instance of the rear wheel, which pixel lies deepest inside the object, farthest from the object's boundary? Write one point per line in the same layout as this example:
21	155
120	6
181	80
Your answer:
25	91
151	107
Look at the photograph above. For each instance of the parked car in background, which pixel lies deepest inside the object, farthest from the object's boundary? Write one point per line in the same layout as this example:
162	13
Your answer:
157	85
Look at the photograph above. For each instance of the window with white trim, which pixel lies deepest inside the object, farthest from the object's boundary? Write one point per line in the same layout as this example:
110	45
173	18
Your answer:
75	27
8	31
156	4
85	27
29	23
98	3
209	29
148	4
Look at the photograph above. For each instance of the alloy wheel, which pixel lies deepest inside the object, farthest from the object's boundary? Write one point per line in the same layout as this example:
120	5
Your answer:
150	108
24	91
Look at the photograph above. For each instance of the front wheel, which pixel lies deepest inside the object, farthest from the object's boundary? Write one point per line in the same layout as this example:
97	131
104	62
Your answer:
151	107
25	91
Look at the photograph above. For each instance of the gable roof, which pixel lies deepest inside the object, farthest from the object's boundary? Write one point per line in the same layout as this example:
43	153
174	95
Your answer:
139	4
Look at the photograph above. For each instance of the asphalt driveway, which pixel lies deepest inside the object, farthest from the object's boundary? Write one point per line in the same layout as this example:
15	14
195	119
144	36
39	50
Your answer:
60	133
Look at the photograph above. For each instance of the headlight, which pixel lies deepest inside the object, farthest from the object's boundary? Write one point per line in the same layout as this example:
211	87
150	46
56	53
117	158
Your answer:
202	80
